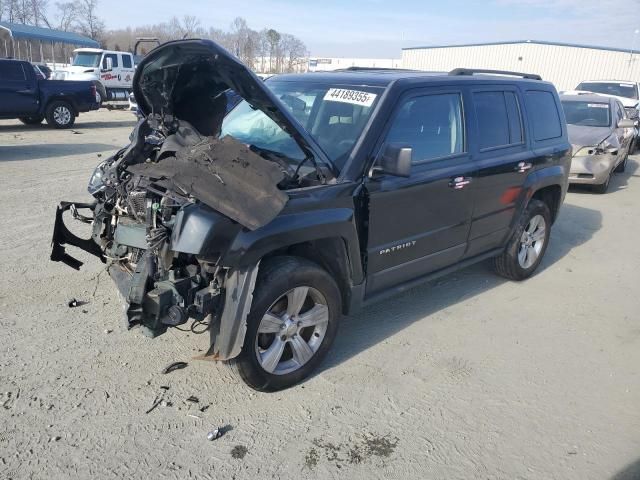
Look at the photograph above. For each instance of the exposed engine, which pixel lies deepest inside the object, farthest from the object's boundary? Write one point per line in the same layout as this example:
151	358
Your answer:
154	218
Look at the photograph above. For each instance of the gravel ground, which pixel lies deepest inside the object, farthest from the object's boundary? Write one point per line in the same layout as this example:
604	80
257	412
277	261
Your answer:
467	377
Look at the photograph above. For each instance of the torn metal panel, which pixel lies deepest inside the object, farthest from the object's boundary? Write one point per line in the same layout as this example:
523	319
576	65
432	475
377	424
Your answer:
225	175
228	339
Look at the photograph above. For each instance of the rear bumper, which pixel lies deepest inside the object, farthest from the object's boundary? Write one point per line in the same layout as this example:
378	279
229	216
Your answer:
62	236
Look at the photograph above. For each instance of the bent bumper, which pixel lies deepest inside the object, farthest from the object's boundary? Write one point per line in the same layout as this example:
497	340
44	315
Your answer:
591	169
62	236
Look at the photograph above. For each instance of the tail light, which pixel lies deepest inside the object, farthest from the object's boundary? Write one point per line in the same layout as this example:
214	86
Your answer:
93	90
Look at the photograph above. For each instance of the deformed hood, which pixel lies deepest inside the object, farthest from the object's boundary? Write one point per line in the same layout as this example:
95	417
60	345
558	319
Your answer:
582	136
182	74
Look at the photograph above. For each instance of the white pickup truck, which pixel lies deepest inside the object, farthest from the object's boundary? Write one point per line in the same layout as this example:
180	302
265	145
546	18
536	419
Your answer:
112	70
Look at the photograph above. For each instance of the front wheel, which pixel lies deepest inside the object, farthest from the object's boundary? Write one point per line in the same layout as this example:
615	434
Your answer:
603	187
291	326
622	166
528	244
60	114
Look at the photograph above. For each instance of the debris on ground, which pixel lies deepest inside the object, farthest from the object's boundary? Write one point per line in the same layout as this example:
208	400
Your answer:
108	330
163	387
193	399
72	303
214	434
153	407
204	408
239	451
174	366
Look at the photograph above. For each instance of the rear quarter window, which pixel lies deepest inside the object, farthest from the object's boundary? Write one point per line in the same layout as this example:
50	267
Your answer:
544	115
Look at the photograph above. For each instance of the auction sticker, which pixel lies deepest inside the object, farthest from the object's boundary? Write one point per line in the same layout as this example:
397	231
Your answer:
355	97
598	105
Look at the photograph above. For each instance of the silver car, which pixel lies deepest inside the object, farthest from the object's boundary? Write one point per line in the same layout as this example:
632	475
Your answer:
601	135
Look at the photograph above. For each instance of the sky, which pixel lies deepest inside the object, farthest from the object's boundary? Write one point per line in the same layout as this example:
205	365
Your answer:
381	28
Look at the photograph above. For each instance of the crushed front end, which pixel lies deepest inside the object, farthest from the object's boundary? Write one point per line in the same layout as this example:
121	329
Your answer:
161	244
171	204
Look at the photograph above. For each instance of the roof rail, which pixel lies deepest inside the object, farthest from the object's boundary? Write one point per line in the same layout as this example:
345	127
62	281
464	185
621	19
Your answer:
473	71
373	69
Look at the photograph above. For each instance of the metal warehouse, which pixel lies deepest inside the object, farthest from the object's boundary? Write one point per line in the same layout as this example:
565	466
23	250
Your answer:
564	64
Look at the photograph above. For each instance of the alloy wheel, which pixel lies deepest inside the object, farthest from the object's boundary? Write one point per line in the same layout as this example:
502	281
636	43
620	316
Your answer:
532	241
62	115
292	330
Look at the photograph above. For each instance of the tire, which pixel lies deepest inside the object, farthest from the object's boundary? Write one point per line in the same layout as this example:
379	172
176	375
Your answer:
35	120
511	264
622	165
281	279
60	114
603	187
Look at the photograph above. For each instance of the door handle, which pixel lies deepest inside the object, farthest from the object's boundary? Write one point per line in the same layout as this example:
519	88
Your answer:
26	92
523	167
459	183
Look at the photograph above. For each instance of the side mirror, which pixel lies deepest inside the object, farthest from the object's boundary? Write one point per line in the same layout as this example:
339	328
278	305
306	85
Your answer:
626	123
394	160
109	63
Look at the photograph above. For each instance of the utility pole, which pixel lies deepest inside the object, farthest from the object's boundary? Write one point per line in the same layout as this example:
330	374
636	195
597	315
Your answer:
633	44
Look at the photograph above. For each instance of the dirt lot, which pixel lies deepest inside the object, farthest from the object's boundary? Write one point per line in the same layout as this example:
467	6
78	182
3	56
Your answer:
467	377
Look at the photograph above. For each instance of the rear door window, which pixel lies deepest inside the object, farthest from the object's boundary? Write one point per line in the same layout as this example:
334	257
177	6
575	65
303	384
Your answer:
126	61
543	112
432	125
493	121
11	72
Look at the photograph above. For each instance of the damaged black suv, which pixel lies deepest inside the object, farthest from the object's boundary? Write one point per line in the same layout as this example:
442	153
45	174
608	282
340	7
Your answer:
318	194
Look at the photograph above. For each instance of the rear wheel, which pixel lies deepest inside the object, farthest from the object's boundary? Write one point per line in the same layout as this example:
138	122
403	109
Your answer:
60	114
526	248
35	120
291	326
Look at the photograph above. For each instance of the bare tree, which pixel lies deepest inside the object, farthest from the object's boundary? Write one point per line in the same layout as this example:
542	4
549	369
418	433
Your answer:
66	15
87	21
273	37
293	52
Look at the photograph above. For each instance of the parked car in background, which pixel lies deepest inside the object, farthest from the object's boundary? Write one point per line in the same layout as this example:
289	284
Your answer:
601	135
317	194
627	92
46	71
25	96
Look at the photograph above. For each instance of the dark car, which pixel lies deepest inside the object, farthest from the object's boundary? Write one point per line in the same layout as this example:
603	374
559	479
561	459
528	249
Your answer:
316	195
31	99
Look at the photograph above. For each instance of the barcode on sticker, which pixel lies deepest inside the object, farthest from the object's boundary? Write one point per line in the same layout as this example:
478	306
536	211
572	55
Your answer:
355	97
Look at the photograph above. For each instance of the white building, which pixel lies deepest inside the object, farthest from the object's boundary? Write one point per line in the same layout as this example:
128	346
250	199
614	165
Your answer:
323	64
563	64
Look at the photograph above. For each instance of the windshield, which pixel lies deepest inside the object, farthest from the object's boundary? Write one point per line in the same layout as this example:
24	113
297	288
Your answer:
627	90
587	114
86	59
334	115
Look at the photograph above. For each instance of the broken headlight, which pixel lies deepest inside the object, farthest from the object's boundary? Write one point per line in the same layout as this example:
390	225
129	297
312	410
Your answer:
96	183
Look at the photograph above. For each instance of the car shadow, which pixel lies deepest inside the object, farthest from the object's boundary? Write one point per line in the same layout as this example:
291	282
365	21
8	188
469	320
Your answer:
10	153
575	226
619	181
630	472
19	127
